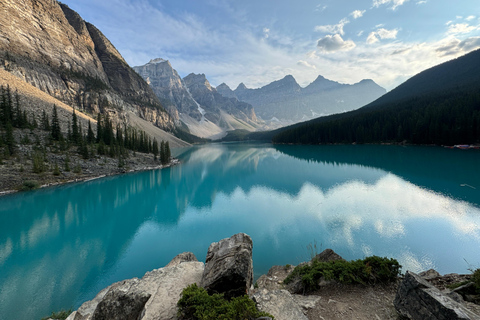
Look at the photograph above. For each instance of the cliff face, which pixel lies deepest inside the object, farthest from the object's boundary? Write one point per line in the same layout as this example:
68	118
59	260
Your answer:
195	103
213	102
169	88
48	45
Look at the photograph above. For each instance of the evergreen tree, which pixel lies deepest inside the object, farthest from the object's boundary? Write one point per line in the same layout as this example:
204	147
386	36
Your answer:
99	128
55	130
45	123
163	153
155	149
75	131
90	134
9	140
168	154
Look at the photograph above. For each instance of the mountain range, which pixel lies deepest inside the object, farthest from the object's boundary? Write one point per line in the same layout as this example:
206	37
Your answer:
195	103
45	44
286	102
440	105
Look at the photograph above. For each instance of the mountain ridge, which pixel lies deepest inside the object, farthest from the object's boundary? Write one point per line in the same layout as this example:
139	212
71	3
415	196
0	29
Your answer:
48	45
286	101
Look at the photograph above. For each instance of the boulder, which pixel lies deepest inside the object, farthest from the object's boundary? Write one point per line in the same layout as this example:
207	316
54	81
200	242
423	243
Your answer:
429	274
418	299
279	303
182	257
157	293
229	266
327	255
274	278
121	305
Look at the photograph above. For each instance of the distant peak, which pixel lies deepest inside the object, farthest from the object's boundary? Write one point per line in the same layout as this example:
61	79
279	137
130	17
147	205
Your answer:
223	85
157	60
241	86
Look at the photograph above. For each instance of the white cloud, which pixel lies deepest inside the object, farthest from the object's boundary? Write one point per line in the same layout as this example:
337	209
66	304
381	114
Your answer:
333	28
321	8
470	18
460	28
421	2
266	33
306	64
334	43
360	33
395	3
357	14
381	34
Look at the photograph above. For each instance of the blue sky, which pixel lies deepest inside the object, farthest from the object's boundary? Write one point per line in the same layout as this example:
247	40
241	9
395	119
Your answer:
259	41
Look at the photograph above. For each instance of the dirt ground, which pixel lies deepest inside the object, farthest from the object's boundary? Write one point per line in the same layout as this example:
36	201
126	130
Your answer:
345	302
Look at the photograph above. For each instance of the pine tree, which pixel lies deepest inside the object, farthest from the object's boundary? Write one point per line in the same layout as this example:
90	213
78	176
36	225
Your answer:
167	151
155	149
75	131
90	134
163	154
99	128
56	132
9	140
45	123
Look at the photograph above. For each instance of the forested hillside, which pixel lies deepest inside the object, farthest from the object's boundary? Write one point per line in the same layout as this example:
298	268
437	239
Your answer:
438	106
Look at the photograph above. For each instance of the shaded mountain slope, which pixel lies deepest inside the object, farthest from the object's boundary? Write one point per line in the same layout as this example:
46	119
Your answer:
438	106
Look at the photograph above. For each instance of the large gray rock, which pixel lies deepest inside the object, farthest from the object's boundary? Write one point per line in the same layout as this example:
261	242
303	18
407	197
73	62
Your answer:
417	299
229	266
274	278
163	288
121	305
279	303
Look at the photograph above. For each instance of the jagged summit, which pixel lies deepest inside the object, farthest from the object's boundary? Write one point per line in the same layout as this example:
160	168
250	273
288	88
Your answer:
241	86
157	60
286	101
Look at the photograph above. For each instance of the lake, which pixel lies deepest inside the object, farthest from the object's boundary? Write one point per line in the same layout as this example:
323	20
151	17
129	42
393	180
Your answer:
421	205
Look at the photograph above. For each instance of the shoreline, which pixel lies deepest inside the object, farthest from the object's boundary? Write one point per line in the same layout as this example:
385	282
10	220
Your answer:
93	177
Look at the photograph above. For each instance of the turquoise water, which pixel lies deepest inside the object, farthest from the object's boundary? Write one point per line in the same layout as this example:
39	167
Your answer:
420	205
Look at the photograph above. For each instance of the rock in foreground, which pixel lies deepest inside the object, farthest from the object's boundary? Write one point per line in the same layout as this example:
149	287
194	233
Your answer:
154	296
229	266
418	299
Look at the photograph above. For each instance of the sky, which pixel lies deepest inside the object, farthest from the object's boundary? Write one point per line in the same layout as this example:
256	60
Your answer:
260	41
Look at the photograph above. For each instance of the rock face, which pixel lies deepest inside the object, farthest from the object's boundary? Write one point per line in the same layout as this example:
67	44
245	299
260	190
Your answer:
229	266
286	102
417	299
154	296
49	46
279	303
195	102
169	87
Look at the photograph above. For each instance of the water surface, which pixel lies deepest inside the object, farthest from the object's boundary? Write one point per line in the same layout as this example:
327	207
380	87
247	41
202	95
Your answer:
420	205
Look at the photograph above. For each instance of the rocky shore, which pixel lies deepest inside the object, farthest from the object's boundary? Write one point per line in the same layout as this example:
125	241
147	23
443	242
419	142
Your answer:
228	269
16	173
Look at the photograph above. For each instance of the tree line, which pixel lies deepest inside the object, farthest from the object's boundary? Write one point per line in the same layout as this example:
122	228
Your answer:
114	142
449	118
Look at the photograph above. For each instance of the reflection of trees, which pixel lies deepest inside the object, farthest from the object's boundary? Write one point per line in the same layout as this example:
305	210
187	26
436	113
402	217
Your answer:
438	169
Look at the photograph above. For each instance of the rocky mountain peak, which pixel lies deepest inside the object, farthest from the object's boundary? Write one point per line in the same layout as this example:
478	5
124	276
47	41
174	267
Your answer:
241	87
157	60
225	91
321	83
194	81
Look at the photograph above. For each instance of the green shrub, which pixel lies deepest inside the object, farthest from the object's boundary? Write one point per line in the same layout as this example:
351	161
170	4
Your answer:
61	315
476	280
370	270
196	303
30	185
